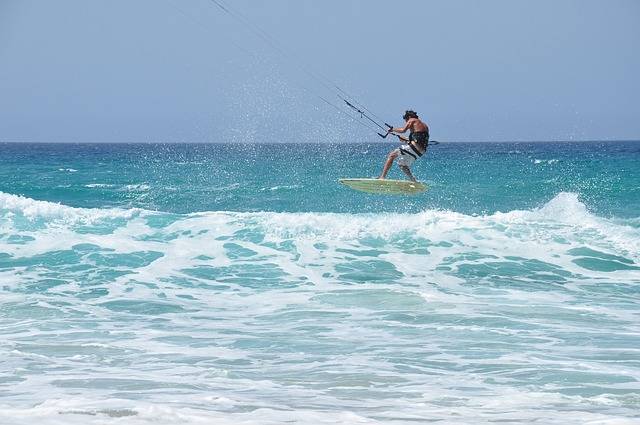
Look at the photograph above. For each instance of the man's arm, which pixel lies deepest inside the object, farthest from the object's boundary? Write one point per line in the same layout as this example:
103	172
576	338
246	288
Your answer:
403	129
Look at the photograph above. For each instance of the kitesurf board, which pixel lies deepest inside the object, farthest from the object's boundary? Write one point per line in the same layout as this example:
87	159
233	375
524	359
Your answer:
392	187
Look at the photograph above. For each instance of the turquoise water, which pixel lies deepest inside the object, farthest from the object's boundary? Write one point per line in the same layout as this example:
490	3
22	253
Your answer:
215	283
469	178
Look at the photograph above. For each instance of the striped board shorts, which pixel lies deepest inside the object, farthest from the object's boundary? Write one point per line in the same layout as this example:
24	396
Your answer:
407	154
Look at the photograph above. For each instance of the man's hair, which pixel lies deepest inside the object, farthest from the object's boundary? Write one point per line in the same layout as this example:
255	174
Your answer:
409	114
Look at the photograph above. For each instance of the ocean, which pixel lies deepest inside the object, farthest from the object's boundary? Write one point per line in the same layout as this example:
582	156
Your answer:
242	284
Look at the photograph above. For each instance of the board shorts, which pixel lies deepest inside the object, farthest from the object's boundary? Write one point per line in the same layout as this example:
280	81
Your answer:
407	154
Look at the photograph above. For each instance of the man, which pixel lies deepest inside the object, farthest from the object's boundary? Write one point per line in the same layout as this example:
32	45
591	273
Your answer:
413	148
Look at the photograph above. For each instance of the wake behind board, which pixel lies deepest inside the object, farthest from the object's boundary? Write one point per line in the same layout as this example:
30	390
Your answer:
390	187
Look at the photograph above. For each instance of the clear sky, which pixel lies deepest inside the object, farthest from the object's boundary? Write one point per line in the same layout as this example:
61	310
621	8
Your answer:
189	71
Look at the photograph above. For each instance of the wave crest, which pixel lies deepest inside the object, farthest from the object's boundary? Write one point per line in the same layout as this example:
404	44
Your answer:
564	219
34	210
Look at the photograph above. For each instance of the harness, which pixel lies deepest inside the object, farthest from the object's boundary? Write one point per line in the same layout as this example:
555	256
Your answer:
421	138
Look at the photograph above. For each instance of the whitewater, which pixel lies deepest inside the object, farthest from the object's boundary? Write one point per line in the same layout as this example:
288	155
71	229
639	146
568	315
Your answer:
171	285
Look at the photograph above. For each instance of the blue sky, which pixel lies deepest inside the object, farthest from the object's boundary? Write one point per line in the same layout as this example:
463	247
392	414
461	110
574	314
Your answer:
188	71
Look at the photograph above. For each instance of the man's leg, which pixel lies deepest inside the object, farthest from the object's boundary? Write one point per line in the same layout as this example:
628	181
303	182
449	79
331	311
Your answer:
387	165
408	173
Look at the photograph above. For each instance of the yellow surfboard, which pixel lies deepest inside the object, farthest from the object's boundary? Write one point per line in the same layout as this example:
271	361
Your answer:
390	187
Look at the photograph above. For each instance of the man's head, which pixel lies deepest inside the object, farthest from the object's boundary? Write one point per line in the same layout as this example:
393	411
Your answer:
409	114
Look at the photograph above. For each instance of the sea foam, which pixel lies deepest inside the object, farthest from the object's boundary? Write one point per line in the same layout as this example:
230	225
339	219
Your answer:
268	317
